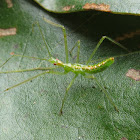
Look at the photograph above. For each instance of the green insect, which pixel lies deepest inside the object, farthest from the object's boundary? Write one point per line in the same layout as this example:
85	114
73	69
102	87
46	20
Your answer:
86	70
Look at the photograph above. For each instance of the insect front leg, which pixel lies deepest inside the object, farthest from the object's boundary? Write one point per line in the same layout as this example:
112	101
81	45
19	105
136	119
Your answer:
17	55
34	77
25	81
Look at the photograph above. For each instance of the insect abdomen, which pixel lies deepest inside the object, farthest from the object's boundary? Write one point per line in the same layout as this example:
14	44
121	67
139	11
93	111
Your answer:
79	68
100	66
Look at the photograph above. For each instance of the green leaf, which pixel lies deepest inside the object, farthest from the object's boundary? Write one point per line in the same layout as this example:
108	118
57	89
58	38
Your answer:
30	111
113	6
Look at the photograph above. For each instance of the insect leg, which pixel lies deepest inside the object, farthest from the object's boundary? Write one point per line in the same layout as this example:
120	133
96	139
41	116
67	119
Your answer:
100	42
47	46
66	93
26	80
77	44
53	72
6	61
64	34
104	90
16	55
27	70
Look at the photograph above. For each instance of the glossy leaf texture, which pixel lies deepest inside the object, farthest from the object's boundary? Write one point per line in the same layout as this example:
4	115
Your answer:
112	6
31	110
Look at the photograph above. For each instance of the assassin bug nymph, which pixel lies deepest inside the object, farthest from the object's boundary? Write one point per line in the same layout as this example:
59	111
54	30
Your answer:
68	67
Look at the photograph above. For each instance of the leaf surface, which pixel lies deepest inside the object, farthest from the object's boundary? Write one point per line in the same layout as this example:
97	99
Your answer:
30	111
113	6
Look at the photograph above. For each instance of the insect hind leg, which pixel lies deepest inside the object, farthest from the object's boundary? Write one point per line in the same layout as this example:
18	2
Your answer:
77	44
104	90
100	42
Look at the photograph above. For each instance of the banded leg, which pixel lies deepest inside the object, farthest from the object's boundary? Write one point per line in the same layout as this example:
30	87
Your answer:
66	93
100	42
77	44
64	34
104	90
